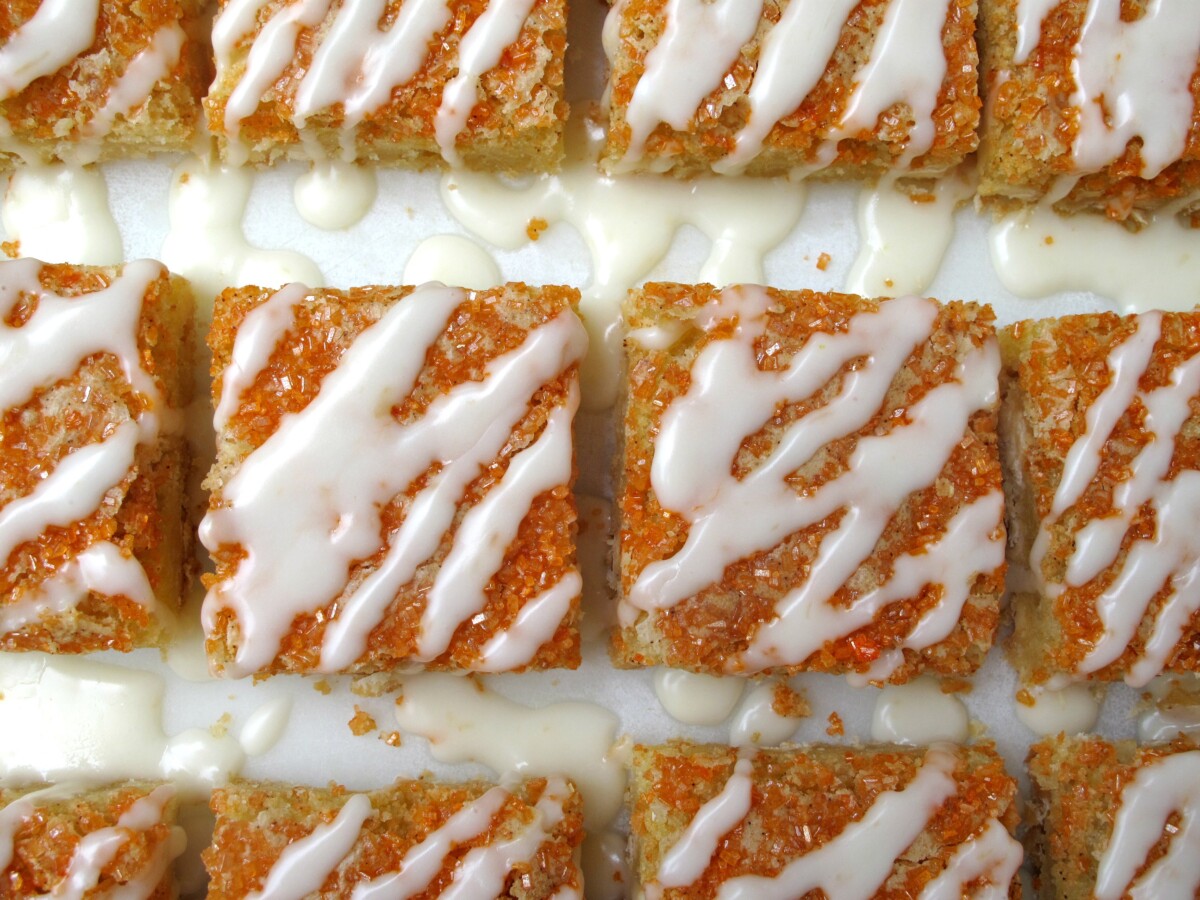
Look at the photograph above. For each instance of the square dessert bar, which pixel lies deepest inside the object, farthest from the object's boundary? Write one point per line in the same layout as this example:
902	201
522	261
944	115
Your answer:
1101	439
95	364
117	841
100	80
393	480
840	88
879	821
462	82
809	482
417	838
1114	819
1091	104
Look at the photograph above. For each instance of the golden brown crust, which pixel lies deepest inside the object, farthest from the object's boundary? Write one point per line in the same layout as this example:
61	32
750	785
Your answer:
486	325
1030	123
142	514
793	143
515	125
709	631
50	833
824	789
49	118
255	822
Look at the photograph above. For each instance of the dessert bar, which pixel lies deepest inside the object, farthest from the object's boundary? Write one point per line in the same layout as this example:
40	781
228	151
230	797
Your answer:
417	838
882	821
1101	442
407	82
809	482
836	87
101	79
95	364
1091	104
393	480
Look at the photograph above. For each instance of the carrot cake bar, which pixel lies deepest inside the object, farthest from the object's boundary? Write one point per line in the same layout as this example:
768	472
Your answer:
1114	820
393	480
1091	104
1101	439
118	841
882	821
409	82
94	366
417	838
810	482
99	79
842	88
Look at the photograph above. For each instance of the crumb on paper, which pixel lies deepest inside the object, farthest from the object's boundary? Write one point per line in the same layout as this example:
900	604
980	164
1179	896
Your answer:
323	687
361	722
956	686
220	728
889	283
823	261
836	728
790	703
1048	239
923	197
1025	698
12	249
535	227
391	738
478	682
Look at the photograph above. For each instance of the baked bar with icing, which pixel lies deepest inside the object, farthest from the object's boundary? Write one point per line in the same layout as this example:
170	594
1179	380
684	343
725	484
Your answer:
417	838
1114	820
393	480
809	482
95	364
881	821
99	79
407	82
1091	104
1101	438
65	841
771	87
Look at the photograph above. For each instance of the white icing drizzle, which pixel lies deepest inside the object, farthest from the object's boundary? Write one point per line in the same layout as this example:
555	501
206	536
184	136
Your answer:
1150	564
699	44
466	723
730	397
1157	790
300	566
691	854
919	712
479	51
133	88
425	859
993	854
695	698
305	864
258	335
60	213
744	217
605	868
265	726
15	813
1030	15
452	259
856	862
535	624
1133	80
61	333
334	195
757	722
1071	709
480	874
58	32
794	56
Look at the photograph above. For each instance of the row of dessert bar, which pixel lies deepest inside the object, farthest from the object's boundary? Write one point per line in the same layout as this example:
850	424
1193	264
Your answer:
1095	102
707	821
807	482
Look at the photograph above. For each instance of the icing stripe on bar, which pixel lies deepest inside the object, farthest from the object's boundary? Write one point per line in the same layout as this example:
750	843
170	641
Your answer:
1030	15
58	32
305	864
536	623
994	854
856	862
1165	786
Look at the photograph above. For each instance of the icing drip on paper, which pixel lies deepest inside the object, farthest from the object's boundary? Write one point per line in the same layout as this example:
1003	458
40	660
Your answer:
49	346
694	698
1167	786
1166	559
59	213
730	398
298	559
919	712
